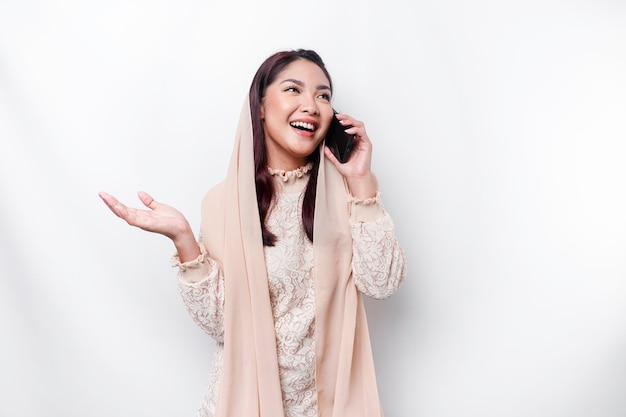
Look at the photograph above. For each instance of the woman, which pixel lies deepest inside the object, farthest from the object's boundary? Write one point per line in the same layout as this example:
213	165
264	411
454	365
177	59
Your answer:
288	243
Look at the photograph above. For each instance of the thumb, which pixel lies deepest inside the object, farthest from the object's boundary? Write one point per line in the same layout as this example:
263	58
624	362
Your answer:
147	200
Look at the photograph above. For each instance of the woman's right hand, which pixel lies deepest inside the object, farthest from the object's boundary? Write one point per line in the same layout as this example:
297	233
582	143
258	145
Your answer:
159	218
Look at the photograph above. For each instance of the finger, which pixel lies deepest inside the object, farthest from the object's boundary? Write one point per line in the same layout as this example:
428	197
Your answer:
355	127
353	124
106	196
147	200
364	139
114	205
109	200
346	120
341	116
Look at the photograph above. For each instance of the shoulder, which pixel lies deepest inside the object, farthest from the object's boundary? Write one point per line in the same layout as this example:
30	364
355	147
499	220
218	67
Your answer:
213	204
214	195
213	220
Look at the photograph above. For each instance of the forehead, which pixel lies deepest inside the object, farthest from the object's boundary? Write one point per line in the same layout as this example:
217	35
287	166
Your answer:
305	71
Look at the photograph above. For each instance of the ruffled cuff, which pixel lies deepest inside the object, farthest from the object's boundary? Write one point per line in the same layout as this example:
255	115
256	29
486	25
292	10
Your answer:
196	269
365	210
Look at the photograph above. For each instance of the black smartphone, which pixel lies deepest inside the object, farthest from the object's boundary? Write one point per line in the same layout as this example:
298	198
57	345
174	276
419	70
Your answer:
339	142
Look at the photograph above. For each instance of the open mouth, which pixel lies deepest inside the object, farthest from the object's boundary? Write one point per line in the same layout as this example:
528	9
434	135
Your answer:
308	127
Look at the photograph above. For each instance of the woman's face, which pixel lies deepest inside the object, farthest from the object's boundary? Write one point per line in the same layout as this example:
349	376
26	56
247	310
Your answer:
296	113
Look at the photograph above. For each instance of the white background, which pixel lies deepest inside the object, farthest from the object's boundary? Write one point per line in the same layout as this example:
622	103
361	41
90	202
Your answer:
499	137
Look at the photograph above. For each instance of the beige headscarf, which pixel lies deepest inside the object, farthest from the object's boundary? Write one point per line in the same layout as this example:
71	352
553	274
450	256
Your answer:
250	385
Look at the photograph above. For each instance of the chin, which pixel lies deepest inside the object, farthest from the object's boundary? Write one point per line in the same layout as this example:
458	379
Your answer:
304	148
305	153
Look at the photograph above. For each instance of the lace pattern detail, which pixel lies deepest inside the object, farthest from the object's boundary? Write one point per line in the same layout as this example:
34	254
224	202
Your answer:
209	403
293	174
376	199
204	301
290	275
378	268
378	261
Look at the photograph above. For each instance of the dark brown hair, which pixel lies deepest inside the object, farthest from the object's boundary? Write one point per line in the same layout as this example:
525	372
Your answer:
265	75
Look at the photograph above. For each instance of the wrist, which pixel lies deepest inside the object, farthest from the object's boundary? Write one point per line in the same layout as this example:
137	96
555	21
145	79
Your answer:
186	246
363	187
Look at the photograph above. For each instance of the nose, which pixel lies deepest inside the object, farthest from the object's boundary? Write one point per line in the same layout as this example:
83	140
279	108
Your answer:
309	106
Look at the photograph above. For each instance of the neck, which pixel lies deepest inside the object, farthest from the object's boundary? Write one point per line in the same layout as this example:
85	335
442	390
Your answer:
286	165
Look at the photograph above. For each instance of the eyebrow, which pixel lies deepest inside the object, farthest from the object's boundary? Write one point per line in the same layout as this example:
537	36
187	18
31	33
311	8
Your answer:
301	84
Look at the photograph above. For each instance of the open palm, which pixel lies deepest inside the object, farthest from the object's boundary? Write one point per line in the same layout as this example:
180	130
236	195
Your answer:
158	218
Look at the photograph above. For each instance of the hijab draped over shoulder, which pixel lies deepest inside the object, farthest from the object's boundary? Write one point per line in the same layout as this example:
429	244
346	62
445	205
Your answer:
231	232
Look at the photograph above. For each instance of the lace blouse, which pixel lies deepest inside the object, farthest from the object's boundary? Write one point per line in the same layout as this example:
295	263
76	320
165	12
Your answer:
378	269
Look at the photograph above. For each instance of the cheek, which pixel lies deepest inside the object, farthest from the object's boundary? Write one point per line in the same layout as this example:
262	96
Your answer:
272	103
327	125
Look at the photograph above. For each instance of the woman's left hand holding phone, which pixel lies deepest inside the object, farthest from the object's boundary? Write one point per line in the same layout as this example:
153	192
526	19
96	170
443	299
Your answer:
358	169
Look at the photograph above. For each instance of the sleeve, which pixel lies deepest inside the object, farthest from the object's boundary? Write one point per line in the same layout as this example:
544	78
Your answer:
378	261
201	285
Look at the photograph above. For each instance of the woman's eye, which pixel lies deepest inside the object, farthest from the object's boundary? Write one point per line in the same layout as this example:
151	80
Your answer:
291	89
325	96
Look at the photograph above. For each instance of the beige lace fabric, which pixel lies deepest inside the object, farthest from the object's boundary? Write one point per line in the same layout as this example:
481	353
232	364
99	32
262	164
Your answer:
304	349
377	264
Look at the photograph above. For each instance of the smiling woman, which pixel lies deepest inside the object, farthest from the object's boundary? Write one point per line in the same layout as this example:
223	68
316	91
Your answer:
296	112
289	243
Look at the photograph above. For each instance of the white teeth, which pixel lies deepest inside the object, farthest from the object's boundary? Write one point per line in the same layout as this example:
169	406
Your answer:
303	125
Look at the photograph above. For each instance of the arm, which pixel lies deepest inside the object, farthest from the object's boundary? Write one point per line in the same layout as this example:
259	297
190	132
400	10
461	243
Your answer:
378	261
201	285
200	279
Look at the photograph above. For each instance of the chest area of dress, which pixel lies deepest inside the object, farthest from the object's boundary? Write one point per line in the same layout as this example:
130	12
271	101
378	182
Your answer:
290	261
